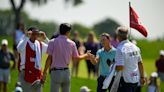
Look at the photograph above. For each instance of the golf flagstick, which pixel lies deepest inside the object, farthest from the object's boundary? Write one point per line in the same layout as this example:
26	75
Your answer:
116	82
130	33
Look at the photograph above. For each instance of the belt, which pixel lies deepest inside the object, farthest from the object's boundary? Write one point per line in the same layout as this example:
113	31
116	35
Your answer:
103	76
54	69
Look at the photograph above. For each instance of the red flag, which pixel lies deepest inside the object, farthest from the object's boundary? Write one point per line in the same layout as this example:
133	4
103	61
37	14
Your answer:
134	22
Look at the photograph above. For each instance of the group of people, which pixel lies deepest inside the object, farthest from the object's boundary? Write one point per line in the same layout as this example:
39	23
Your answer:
120	69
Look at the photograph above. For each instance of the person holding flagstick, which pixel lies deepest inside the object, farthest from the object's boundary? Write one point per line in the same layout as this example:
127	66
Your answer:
128	62
128	59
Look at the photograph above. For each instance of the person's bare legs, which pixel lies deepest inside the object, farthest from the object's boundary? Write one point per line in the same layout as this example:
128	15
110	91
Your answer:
73	67
4	87
76	68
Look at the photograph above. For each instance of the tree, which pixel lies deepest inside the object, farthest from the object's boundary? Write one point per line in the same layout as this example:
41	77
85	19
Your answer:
6	23
83	30
17	9
107	25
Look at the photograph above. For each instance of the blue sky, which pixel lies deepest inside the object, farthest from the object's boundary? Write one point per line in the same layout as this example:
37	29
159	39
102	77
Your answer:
92	11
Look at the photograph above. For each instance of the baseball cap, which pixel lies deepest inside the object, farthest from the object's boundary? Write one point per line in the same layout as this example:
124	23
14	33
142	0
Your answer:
84	89
162	52
18	89
154	74
33	29
4	42
122	30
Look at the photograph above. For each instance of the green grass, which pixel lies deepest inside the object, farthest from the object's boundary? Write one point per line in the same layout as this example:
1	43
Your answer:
82	80
149	50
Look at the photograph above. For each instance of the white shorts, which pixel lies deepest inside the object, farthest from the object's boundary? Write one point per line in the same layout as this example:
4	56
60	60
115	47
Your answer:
4	75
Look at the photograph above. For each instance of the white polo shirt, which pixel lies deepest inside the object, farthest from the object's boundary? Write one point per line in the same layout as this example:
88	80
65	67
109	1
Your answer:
128	56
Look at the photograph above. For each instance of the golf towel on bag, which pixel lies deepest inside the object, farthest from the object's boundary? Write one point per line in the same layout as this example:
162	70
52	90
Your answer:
108	79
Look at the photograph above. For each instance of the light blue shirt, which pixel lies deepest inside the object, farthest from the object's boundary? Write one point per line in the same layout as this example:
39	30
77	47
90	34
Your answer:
19	36
103	57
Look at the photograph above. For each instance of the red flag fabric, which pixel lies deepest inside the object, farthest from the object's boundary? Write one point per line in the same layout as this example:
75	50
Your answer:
134	22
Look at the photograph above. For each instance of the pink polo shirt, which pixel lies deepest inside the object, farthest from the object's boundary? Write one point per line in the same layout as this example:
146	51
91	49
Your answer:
62	49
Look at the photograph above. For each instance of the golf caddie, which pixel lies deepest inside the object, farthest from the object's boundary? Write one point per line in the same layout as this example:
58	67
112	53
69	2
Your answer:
128	63
30	50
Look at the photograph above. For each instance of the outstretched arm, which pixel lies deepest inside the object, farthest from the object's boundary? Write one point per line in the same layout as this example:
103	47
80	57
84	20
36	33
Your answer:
94	60
77	57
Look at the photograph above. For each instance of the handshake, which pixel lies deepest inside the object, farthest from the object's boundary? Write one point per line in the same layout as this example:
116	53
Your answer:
90	56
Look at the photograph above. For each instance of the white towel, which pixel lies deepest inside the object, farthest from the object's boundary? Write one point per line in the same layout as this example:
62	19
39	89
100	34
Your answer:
116	82
38	55
36	47
108	79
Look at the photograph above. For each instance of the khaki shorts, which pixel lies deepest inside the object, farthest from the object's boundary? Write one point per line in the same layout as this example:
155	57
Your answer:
161	76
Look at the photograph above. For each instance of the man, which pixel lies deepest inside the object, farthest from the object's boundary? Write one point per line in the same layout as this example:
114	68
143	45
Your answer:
5	58
31	50
18	36
105	58
160	65
60	52
129	62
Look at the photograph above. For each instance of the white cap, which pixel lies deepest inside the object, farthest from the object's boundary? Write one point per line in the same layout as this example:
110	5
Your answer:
18	89
154	74
4	42
162	52
84	89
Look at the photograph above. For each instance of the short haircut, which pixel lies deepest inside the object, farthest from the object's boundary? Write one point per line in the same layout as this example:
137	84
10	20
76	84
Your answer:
33	29
64	28
106	35
122	32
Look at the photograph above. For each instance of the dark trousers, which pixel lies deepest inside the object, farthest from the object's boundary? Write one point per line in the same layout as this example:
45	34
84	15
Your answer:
127	87
100	81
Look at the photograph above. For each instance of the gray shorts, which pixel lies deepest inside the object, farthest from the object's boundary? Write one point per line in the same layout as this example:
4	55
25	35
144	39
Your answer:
5	75
60	78
161	76
28	87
